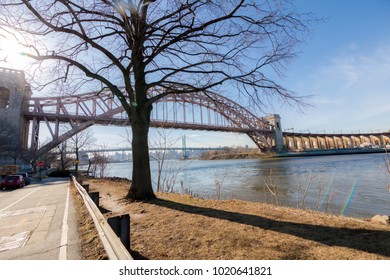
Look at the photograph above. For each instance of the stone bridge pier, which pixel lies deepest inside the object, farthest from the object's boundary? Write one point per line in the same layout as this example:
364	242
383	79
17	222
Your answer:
275	121
13	90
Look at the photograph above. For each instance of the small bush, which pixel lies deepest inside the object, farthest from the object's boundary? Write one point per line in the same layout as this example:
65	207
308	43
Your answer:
60	173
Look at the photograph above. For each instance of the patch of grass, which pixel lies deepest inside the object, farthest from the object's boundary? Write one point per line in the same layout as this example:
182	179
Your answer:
181	227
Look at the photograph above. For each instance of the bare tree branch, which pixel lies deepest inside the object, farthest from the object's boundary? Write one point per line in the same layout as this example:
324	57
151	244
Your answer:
143	50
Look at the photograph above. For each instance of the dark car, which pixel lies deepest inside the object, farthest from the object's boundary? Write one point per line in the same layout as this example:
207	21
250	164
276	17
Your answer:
25	177
12	181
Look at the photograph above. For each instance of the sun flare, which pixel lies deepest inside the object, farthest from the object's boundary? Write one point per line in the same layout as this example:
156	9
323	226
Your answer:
11	54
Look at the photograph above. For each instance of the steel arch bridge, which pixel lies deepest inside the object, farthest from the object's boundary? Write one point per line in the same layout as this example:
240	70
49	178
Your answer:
197	111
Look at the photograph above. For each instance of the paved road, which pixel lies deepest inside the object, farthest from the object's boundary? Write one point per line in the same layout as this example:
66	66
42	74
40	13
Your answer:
38	222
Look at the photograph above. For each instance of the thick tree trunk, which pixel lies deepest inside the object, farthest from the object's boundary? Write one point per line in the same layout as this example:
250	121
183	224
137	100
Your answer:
141	187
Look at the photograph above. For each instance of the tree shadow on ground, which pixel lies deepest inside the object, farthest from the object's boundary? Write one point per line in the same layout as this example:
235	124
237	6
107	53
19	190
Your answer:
137	255
368	240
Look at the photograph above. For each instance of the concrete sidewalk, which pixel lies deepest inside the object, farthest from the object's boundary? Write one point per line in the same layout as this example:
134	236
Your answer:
38	222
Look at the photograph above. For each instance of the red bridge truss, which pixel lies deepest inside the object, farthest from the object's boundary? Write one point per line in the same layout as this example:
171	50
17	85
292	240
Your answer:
203	111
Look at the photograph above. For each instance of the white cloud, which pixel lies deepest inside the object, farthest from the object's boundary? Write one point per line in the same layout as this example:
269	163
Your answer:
321	100
351	92
368	69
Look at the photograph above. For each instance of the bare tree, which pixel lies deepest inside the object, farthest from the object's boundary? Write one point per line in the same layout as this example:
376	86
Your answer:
143	50
166	171
168	168
99	162
64	160
50	158
81	140
160	156
15	151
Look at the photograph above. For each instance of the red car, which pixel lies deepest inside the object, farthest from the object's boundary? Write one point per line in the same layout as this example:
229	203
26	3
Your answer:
12	181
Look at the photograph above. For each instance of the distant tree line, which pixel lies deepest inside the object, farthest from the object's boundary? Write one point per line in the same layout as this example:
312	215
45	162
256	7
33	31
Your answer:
232	153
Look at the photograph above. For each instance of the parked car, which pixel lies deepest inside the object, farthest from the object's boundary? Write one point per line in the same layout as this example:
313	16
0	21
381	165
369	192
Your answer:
26	178
12	181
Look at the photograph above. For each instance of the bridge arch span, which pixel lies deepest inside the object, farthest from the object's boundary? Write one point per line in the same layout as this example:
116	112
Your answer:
201	111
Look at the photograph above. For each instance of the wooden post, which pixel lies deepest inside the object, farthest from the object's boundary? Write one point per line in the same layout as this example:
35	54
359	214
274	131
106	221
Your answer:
86	187
121	226
95	197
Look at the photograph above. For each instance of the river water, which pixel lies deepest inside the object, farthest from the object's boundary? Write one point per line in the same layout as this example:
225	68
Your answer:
349	185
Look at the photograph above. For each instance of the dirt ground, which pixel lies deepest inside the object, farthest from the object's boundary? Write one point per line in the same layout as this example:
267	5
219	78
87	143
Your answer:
181	227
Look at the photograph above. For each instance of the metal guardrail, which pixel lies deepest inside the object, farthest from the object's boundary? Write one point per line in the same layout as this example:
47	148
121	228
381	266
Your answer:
114	248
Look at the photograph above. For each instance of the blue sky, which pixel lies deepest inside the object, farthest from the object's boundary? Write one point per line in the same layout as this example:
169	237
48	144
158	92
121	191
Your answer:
344	65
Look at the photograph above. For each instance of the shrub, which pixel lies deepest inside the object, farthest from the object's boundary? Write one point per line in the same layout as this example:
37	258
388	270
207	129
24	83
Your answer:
60	173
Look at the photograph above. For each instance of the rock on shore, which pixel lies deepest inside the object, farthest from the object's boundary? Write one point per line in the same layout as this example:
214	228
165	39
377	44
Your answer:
380	219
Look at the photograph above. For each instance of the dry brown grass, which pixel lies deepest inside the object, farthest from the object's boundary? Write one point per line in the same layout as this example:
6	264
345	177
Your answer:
91	246
182	227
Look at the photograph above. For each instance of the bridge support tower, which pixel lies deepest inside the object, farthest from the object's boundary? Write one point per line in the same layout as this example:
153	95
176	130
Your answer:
278	144
13	90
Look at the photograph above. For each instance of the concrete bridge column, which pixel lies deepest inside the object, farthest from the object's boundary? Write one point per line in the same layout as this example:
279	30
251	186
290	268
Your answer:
314	142
310	142
364	139
319	144
302	143
361	140
347	142
305	142
335	142
322	143
298	141
290	143
350	142
294	143
326	143
331	144
274	120
378	139
375	140
286	142
338	142
342	142
355	141
385	140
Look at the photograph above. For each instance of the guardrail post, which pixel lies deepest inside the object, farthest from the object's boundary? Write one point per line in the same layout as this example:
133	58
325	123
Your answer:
121	226
86	187
95	197
112	244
